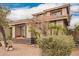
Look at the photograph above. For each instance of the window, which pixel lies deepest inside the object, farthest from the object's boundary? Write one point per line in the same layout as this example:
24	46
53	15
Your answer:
58	13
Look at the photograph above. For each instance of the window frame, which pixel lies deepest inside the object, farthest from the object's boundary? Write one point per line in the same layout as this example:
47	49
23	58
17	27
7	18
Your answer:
55	12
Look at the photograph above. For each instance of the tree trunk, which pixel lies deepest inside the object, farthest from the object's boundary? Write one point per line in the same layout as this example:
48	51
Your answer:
50	31
4	36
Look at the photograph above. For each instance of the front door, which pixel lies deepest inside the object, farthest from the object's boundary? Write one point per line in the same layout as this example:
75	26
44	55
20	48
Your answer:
20	31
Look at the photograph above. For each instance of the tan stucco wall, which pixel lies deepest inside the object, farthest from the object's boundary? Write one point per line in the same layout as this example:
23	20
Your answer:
47	15
64	12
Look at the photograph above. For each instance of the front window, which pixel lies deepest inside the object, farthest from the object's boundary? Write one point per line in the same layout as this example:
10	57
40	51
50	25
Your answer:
58	13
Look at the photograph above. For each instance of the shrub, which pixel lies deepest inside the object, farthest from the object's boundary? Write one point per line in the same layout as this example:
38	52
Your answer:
60	45
9	40
0	44
35	35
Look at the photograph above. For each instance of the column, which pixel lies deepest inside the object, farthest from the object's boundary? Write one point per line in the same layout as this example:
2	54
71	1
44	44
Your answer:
28	32
13	32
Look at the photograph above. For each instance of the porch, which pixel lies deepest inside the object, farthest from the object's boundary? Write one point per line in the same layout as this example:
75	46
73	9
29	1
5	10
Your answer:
21	34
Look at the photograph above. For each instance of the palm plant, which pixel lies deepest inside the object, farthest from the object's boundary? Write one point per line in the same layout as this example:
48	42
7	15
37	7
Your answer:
55	28
3	23
51	26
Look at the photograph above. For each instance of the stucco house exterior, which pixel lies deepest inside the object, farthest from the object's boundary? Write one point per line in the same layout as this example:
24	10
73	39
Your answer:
58	16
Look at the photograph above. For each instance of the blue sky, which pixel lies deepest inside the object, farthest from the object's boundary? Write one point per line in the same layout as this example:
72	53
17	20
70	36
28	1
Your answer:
21	5
30	5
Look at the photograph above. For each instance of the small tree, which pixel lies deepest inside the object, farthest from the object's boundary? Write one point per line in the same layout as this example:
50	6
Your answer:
3	23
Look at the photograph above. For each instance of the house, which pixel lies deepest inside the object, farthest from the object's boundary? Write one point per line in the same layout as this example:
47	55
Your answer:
40	21
57	16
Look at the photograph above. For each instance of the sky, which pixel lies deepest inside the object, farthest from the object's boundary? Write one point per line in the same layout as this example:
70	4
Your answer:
21	5
25	10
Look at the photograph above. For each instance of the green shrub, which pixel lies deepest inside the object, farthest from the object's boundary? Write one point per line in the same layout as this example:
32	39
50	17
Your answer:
56	45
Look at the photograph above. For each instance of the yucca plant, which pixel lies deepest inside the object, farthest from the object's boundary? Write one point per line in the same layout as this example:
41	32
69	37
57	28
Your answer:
34	33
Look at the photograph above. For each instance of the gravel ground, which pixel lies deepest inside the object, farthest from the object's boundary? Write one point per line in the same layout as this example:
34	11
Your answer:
21	50
75	52
28	50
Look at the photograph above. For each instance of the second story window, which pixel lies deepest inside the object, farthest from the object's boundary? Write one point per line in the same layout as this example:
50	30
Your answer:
57	13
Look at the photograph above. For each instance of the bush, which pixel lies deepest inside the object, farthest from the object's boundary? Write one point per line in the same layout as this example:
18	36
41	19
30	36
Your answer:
0	44
60	45
9	40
